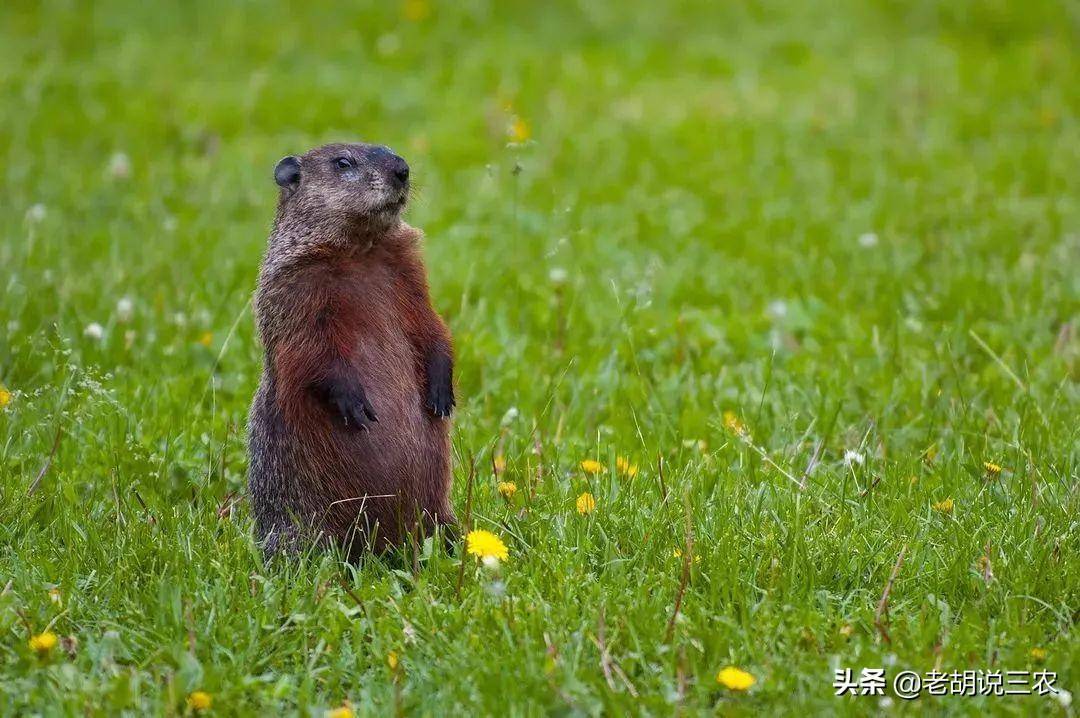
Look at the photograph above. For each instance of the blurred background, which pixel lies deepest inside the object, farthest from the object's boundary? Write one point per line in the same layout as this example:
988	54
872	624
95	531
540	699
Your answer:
684	157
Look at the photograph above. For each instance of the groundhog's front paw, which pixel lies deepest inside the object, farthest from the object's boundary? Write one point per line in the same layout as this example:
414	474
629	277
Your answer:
354	408
440	384
440	399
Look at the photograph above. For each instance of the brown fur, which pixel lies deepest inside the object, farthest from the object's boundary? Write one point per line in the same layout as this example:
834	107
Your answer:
343	306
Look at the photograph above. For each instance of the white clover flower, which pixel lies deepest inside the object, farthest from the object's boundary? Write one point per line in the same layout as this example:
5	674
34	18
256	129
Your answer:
853	457
94	331
868	240
557	275
36	213
125	307
510	416
119	166
777	309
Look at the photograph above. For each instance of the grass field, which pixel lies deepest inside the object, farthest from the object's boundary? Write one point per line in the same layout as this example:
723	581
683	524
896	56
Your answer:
821	259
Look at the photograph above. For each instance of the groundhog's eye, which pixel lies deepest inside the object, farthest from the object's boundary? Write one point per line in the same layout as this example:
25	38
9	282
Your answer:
343	163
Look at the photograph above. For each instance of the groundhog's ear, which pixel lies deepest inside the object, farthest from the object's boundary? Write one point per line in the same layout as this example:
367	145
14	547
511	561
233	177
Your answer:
287	172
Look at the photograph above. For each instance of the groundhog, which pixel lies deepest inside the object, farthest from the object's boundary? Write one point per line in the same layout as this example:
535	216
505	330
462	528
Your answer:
349	429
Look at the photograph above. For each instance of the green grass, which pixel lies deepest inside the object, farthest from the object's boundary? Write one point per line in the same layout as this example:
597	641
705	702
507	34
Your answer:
703	176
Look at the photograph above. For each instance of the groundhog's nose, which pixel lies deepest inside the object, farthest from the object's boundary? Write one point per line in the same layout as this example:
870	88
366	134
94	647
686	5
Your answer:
400	170
395	166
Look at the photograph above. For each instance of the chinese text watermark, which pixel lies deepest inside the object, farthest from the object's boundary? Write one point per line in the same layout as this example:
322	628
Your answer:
909	685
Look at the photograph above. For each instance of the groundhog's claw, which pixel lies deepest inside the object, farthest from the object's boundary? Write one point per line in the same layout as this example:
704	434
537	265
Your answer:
357	415
354	408
440	400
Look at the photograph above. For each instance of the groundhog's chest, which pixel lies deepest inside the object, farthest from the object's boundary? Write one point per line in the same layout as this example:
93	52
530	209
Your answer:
368	326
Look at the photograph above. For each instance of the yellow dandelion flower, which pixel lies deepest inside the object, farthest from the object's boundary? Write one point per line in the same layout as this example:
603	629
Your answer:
992	469
343	711
591	466
518	131
206	339
484	544
733	424
416	10
200	701
43	642
391	660
5	396
846	630
1038	654
507	489
735	679
586	503
624	467
945	506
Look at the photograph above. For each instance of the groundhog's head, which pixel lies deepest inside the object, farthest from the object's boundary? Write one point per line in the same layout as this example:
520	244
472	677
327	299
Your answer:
356	185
